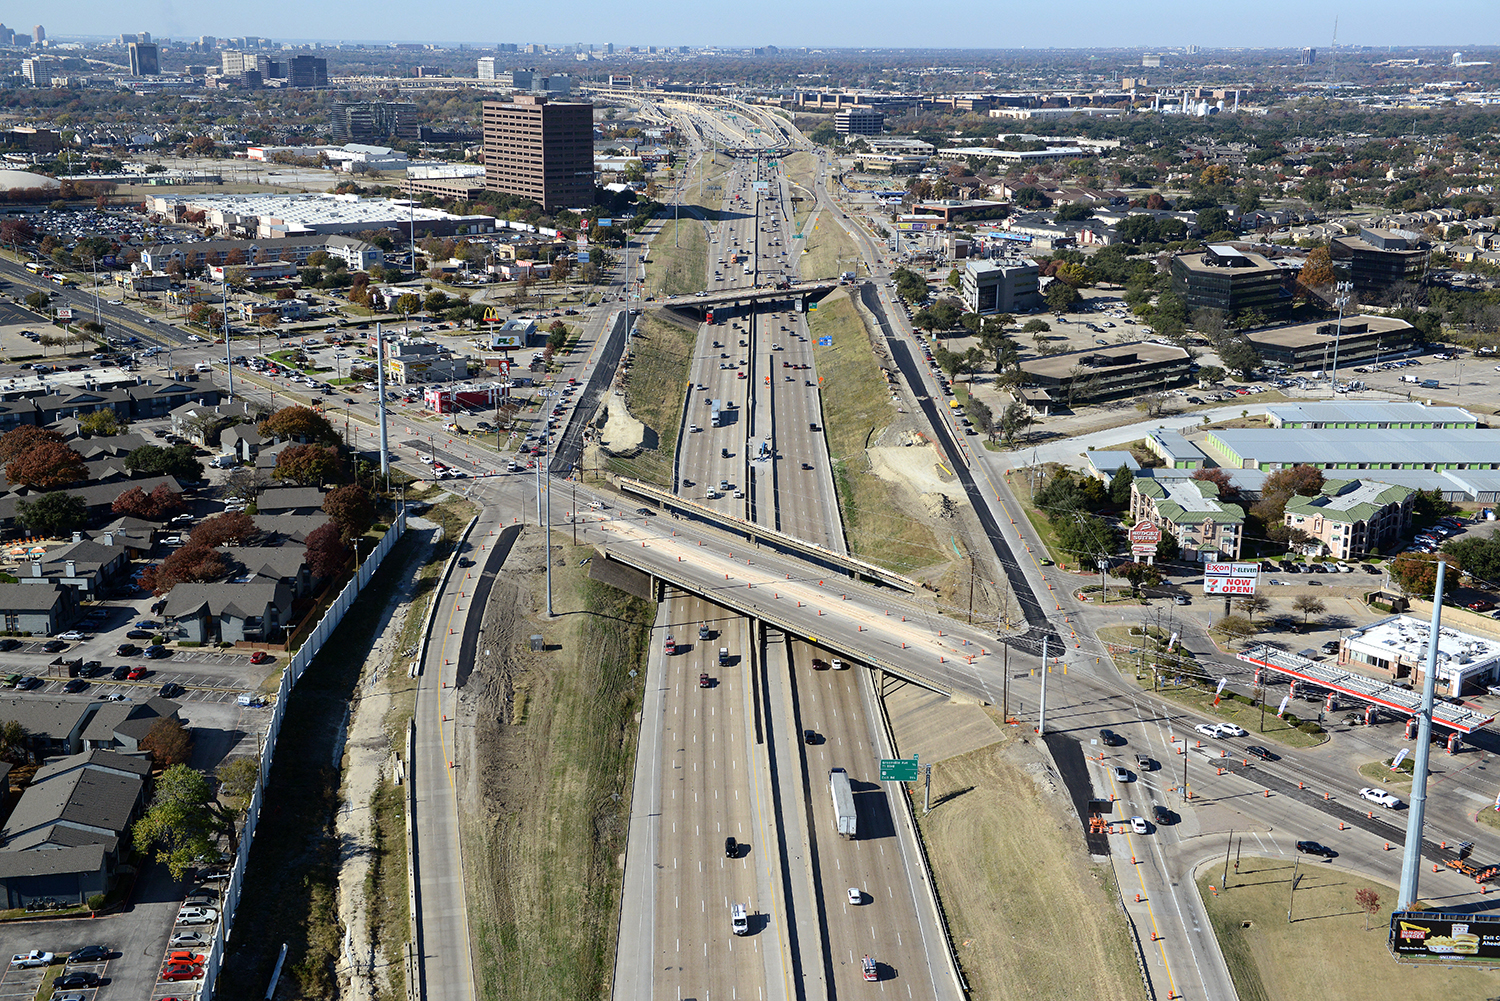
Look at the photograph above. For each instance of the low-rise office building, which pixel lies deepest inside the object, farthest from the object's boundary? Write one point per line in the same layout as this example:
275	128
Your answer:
1225	278
1317	345
1102	373
1206	528
1350	518
1376	259
411	361
1001	286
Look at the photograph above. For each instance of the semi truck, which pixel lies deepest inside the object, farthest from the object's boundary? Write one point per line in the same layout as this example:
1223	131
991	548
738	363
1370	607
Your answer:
845	821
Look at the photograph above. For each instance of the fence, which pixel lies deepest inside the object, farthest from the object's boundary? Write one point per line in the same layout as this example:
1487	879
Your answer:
290	675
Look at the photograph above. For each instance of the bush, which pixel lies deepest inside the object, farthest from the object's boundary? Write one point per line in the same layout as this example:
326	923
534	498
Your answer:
188	643
96	902
1290	718
1310	727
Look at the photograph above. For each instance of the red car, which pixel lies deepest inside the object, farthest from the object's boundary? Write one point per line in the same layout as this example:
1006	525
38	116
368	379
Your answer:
136	673
261	657
182	971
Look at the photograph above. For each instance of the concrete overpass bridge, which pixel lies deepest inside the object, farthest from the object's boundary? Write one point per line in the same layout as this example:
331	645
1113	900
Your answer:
798	294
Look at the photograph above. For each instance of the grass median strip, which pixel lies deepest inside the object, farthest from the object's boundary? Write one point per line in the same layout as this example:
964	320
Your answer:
661	359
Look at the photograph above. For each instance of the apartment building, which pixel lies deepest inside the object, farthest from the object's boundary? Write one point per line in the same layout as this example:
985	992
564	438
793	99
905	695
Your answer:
540	149
1350	518
1206	528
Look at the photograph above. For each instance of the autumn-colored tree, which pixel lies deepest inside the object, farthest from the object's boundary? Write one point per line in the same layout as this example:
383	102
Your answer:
194	563
1279	487
352	509
1417	572
1214	173
1219	478
159	503
46	466
309	465
326	553
229	528
169	742
301	424
1317	271
1368	901
23	439
103	423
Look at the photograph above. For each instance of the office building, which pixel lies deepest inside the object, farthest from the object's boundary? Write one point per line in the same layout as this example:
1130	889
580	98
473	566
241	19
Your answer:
486	67
1316	345
859	122
1376	259
1102	373
307	72
1232	280
1363	449
515	79
540	149
1001	286
1350	518
365	121
37	71
1206	528
236	63
143	59
38	34
207	43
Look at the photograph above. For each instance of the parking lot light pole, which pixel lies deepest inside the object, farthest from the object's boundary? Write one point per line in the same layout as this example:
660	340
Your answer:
1411	855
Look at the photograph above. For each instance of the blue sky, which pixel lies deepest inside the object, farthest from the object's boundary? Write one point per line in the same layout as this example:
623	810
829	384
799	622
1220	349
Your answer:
883	23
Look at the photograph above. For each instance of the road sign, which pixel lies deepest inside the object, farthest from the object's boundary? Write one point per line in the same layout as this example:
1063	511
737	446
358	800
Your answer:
898	769
65	314
1230	578
825	342
1143	532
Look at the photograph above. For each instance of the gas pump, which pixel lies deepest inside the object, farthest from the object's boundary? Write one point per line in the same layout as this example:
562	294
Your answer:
1331	703
1291	690
1411	728
1257	677
1454	739
1369	715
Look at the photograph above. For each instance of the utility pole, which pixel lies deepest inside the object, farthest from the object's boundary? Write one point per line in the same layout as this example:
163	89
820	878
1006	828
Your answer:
1041	720
1224	883
1411	855
1341	299
1292	896
385	455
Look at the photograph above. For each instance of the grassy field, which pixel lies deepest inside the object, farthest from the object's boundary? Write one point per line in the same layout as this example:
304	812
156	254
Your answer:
1231	709
1000	849
655	392
855	409
799	168
679	251
1021	490
829	250
544	876
1324	954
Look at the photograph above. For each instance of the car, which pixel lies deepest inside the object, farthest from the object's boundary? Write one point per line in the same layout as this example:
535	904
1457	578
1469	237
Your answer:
139	634
1162	815
1473	606
29	682
121	673
856	896
1255	750
75	686
261	657
1121	773
809	736
819	664
137	673
1380	797
1109	738
1208	730
127	650
147	624
186	956
9	644
871	971
839	665
171	690
197	916
35	957
731	848
1230	730
1181	599
1144	762
157	652
1138	825
71	634
188	938
644	512
54	646
1313	848
182	971
78	978
90	954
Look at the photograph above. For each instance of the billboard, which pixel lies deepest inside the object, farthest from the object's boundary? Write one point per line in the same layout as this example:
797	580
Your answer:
1450	936
1230	578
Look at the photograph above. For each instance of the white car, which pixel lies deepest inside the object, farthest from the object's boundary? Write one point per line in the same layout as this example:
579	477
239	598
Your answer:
1230	730
197	916
1208	730
1138	825
188	939
35	957
71	634
856	896
1381	797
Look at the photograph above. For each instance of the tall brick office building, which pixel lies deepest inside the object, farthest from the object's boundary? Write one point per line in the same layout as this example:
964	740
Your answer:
541	150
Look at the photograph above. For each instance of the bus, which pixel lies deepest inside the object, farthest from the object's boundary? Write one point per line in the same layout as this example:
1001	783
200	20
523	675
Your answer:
34	267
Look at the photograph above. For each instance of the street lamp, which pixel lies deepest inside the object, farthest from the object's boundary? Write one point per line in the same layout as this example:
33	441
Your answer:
1342	293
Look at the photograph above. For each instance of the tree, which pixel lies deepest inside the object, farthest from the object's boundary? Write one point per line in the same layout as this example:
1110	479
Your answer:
1138	574
326	554
1278	488
1168	549
1014	419
238	779
1241	356
955	279
309	465
229	528
300	424
38	301
1214	220
352	509
1120	484
178	461
1210	374
408	303
1368	901
1235	627
23	439
1219	478
1036	326
14	742
52	514
169	742
1317	270
136	503
1075	212
180	824
1416	573
1060	296
1252	603
47	465
1308	606
193	563
103	423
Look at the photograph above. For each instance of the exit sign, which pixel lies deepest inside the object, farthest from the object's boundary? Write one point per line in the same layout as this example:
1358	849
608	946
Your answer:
898	769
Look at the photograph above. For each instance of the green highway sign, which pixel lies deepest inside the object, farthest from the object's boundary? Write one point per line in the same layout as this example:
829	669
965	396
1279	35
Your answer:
898	769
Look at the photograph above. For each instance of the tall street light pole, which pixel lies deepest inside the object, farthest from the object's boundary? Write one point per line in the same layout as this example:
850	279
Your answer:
1343	291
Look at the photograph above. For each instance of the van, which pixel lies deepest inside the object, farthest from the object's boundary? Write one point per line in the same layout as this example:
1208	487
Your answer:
739	919
1430	384
226	461
203	366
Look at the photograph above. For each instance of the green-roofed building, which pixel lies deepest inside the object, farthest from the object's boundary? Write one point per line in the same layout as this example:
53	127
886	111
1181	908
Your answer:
1350	518
1206	528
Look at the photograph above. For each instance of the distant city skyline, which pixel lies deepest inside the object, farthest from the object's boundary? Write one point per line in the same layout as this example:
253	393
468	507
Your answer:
1289	24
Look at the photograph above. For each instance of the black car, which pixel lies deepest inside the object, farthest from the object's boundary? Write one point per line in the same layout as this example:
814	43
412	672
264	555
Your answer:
76	685
90	954
809	736
1256	750
54	646
1161	814
9	644
465	562
93	669
731	850
1109	738
127	650
171	690
120	673
1313	848
139	634
79	978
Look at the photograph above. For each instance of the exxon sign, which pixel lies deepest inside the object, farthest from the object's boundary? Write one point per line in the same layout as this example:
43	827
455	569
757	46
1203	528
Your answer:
1230	578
